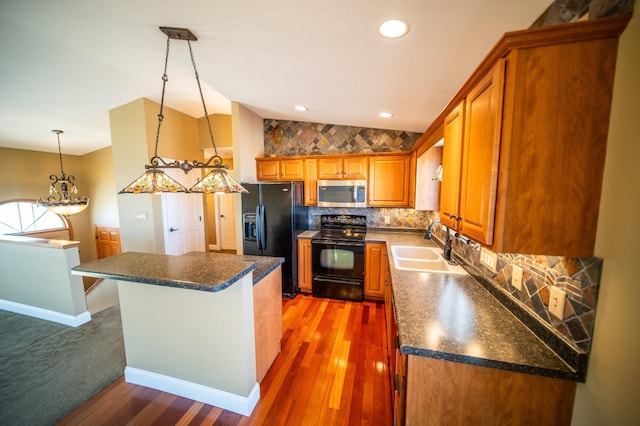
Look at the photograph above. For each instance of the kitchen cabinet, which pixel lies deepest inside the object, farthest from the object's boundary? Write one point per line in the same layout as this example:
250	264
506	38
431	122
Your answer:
376	266
397	361
280	169
267	314
413	168
304	265
310	182
345	167
427	189
470	166
389	181
468	394
534	130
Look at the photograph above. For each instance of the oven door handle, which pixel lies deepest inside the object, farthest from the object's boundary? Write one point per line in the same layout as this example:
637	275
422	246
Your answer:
336	280
338	243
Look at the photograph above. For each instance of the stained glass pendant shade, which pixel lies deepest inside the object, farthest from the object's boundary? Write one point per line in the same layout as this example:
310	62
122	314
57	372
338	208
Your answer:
155	180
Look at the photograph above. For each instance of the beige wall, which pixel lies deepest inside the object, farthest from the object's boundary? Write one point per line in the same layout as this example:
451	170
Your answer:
133	133
611	393
25	174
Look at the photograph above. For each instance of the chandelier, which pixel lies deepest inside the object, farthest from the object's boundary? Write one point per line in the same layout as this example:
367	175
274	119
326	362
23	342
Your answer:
63	195
154	180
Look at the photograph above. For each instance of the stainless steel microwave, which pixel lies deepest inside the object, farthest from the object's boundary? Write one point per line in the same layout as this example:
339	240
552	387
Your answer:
342	193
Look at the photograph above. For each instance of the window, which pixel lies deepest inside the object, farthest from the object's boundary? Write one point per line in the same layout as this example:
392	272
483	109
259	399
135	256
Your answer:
26	216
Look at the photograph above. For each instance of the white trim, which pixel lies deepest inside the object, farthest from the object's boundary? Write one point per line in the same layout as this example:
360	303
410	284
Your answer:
243	405
45	314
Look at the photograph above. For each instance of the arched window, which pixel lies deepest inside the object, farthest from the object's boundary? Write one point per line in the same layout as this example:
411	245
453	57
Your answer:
24	217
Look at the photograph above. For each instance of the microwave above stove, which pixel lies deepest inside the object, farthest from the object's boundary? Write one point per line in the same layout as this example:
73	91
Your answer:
342	193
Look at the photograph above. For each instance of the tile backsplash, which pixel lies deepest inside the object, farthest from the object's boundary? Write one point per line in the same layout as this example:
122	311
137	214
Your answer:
578	277
399	219
288	138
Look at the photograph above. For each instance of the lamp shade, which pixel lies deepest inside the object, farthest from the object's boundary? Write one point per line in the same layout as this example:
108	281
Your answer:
153	181
217	181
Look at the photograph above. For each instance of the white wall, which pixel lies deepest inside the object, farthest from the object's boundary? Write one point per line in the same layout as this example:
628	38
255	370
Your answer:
611	393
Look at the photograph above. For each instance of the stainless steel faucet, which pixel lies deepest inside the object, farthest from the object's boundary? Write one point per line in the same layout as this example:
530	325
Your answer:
429	233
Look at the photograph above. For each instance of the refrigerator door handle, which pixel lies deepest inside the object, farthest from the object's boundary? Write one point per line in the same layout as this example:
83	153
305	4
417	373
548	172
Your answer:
263	236
258	226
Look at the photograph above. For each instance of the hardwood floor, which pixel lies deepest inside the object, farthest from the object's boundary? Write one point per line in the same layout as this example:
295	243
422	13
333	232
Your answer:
332	370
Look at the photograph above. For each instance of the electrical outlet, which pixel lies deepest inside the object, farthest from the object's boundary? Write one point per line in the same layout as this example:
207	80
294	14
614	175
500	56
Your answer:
516	277
556	302
141	215
387	220
489	259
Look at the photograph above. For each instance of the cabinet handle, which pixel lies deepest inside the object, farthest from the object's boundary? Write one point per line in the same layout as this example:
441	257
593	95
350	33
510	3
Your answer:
396	384
397	341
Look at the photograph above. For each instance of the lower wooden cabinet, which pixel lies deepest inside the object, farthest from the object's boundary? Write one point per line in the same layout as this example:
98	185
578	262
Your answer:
304	265
267	313
376	264
466	394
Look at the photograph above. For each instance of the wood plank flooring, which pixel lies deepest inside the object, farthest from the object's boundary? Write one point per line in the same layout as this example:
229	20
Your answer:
332	370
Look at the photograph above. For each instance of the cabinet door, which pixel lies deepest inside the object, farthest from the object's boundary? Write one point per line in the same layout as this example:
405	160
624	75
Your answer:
304	265
389	181
481	148
310	182
354	167
374	263
451	167
413	169
292	169
329	168
267	169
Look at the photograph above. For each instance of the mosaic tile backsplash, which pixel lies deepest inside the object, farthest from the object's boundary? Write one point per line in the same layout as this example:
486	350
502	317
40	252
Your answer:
578	277
288	138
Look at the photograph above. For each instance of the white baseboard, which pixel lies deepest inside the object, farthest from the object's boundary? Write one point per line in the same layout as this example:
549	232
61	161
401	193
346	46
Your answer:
45	314
222	399
214	247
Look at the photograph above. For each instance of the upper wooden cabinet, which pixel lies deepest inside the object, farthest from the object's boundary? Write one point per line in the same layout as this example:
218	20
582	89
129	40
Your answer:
389	181
310	182
279	169
535	124
471	162
346	167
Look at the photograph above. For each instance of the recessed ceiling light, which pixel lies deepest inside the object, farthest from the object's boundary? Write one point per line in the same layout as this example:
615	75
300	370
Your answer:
301	108
385	115
393	28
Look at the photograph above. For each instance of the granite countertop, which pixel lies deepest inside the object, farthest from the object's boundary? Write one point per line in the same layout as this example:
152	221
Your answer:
308	234
454	318
264	264
189	272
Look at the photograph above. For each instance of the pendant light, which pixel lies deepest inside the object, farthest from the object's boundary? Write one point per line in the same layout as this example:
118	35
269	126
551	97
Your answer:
63	196
154	180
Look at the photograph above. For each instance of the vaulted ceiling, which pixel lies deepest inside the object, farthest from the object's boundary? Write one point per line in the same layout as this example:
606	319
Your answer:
65	63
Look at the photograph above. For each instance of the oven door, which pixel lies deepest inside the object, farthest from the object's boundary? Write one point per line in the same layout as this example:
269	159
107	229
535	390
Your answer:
343	259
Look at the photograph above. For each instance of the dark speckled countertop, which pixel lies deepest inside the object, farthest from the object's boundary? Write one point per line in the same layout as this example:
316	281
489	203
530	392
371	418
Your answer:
203	273
454	318
264	264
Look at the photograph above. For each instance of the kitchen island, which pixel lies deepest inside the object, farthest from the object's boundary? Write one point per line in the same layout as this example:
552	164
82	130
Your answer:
188	323
463	356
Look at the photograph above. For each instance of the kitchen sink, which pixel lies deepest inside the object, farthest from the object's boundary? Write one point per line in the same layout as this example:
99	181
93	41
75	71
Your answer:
423	259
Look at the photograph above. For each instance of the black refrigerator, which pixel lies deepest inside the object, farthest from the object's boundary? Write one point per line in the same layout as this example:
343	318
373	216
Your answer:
273	214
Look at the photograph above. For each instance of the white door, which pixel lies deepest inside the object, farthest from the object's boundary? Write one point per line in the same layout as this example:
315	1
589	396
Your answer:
183	217
225	208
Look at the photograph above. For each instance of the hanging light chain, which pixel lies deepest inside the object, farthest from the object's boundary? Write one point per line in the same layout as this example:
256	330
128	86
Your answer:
164	85
204	106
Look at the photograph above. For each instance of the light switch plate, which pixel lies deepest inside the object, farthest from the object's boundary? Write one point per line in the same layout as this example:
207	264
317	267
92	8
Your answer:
516	277
489	259
557	298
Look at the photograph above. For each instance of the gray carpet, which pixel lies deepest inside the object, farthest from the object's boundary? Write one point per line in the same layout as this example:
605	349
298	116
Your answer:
48	369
